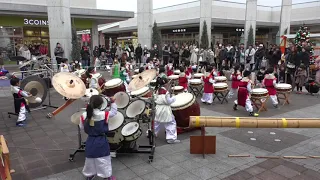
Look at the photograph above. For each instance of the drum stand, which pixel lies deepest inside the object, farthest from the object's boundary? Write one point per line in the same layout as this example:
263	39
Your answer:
221	95
145	149
81	148
260	103
285	97
196	89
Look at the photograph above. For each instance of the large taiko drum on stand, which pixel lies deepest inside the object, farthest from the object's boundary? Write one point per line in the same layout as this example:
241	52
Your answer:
184	107
259	93
101	80
198	75
174	79
284	88
176	72
220	79
177	89
113	86
143	92
220	87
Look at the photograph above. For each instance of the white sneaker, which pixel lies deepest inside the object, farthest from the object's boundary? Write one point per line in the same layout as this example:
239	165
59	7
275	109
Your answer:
173	141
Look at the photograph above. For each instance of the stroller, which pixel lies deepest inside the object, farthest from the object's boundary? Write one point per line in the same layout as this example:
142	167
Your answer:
104	61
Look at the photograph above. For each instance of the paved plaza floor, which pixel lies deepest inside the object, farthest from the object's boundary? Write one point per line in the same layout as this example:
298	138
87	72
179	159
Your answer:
41	149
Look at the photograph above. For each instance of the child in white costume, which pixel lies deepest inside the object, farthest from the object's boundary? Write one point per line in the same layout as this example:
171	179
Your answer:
164	115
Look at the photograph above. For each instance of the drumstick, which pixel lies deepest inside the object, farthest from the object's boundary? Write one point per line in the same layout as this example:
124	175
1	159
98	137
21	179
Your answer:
238	155
268	157
295	157
59	109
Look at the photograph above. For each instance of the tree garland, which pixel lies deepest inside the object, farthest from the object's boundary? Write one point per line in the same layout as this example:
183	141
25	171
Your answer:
302	39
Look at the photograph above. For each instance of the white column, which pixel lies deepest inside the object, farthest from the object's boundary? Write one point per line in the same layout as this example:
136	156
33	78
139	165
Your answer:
145	21
285	17
59	25
94	35
101	39
251	19
205	15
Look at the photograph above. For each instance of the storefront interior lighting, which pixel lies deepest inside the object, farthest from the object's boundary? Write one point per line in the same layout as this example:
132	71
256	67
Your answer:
1	27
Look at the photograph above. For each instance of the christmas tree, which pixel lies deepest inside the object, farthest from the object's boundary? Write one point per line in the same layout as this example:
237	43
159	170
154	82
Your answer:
302	39
250	40
204	37
75	52
156	37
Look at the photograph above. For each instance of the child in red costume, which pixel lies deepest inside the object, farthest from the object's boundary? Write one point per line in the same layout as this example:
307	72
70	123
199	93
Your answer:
208	89
169	68
270	82
244	94
235	77
183	79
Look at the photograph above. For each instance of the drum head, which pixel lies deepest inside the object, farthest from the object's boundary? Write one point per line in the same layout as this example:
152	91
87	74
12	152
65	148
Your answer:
173	77
259	90
221	78
221	85
82	72
198	75
105	103
135	108
283	85
122	99
182	99
195	81
177	88
140	91
116	121
113	82
130	128
97	75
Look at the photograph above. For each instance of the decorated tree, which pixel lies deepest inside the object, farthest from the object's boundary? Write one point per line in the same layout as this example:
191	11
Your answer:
250	40
76	48
204	37
156	35
302	39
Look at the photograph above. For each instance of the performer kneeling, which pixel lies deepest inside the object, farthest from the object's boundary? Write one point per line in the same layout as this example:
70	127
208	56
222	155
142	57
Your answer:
270	82
95	124
20	104
164	115
208	89
244	94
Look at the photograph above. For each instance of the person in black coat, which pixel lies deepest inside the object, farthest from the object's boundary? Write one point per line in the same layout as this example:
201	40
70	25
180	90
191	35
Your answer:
175	56
222	56
275	57
138	53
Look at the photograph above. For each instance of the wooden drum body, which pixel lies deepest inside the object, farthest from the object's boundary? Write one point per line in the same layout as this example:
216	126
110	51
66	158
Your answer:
198	75
282	87
101	80
184	107
195	82
220	87
143	92
113	86
177	89
259	93
220	79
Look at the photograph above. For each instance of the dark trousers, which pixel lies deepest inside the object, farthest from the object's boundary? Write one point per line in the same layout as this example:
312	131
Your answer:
176	63
138	58
165	60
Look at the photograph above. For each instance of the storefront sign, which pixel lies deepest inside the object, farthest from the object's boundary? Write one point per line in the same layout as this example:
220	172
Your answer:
85	37
36	22
179	30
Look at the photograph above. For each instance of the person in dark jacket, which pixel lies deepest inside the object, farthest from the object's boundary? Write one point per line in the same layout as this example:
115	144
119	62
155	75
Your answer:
166	54
85	56
175	56
260	53
276	56
138	53
222	56
304	57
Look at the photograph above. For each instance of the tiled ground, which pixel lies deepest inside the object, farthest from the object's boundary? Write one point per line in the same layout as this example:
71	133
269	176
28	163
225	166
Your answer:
41	149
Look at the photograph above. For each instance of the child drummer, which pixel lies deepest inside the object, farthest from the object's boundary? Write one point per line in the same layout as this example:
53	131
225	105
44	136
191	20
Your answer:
95	124
235	77
208	89
270	82
20	104
163	114
245	88
183	78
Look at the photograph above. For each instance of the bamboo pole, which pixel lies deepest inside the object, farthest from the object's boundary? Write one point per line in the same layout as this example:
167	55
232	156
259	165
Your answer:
6	158
253	122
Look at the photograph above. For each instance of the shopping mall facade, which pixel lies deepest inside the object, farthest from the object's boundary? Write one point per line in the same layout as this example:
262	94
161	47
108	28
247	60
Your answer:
27	22
180	23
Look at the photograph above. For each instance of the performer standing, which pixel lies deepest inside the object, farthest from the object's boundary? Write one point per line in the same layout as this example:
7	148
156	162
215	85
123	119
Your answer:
183	79
164	115
116	69
64	67
270	82
208	89
244	94
169	68
95	124
93	81
235	77
20	104
124	76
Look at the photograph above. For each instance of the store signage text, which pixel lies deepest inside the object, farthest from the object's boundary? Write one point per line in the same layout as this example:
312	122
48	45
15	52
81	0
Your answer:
179	30
36	22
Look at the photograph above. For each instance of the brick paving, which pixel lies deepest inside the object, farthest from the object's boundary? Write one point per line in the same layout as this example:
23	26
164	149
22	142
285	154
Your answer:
41	149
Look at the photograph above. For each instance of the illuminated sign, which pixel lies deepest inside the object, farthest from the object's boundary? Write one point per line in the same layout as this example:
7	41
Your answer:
36	22
179	30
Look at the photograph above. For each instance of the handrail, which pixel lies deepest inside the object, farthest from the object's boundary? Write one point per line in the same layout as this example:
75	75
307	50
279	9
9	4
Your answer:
5	174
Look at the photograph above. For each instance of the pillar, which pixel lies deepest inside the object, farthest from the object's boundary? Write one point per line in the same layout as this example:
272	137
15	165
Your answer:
59	26
101	39
285	17
205	15
145	22
250	20
94	35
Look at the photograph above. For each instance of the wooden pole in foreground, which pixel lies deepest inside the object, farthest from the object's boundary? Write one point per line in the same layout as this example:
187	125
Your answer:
248	122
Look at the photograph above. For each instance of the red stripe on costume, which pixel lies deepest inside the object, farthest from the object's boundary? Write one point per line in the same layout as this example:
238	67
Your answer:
82	119
106	116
